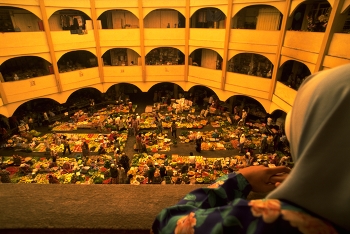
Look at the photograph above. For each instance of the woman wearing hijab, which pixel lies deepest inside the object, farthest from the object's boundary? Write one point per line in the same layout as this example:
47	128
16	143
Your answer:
241	143
313	198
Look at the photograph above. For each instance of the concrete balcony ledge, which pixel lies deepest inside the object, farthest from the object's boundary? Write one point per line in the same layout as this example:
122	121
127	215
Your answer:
35	208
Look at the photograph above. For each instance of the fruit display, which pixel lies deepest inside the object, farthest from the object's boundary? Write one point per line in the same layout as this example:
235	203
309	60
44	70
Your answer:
76	140
65	171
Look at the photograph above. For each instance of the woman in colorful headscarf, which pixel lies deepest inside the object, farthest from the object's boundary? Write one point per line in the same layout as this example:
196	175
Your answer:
313	198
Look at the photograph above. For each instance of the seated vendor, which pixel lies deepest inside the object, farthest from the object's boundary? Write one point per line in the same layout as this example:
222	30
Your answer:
215	134
101	150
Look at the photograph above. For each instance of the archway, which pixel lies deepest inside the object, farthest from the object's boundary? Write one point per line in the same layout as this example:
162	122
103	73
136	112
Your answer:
118	19
293	73
76	60
311	16
256	111
81	98
123	91
251	64
13	19
164	18
25	67
121	57
278	117
68	19
165	56
200	95
259	17
208	17
165	91
206	58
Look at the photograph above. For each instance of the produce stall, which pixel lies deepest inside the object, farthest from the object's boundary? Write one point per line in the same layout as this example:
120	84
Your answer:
65	170
76	140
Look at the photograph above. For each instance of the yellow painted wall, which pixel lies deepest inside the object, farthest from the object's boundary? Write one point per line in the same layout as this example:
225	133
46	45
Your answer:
15	43
207	37
25	89
168	73
285	93
279	104
111	4
117	74
258	41
339	46
119	38
330	62
79	78
251	82
64	40
306	58
164	36
205	76
305	41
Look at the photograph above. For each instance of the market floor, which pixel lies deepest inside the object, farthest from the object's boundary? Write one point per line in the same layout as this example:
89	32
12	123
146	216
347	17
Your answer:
142	100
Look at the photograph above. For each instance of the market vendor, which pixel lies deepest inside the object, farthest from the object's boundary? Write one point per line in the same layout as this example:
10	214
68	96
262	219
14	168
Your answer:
192	159
150	173
114	174
149	161
53	180
101	149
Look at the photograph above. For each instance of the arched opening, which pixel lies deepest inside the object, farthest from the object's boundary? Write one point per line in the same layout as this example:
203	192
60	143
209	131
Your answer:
13	19
35	109
206	58
209	17
76	60
118	19
259	17
278	119
293	74
165	56
251	64
256	112
80	99
25	67
123	91
73	20
311	16
121	57
200	96
164	92
164	18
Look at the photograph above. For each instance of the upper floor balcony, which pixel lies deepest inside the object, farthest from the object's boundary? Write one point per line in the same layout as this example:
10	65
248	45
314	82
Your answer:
120	37
339	51
64	40
254	40
15	43
205	76
164	36
207	37
303	46
20	90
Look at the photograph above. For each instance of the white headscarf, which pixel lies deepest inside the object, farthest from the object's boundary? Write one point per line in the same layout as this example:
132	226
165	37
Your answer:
242	139
317	129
